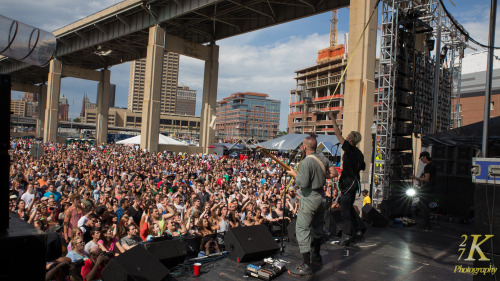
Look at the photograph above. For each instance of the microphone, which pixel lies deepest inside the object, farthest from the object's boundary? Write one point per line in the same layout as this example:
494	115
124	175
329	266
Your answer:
336	144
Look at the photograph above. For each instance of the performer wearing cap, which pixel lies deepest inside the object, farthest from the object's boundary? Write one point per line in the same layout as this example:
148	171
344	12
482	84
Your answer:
427	182
311	176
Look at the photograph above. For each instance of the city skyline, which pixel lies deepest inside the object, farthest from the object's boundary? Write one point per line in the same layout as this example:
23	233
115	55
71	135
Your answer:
260	61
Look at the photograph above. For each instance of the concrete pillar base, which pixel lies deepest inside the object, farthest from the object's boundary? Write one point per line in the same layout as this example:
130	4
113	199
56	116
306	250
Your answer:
42	102
209	100
103	89
150	126
52	105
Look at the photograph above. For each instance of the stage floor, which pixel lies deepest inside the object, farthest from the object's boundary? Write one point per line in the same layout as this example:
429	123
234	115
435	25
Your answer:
391	253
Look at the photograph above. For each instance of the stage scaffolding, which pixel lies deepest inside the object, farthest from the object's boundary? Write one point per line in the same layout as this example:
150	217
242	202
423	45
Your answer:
414	35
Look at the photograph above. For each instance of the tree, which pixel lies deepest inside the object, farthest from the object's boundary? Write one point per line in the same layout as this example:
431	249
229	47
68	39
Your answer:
281	133
77	120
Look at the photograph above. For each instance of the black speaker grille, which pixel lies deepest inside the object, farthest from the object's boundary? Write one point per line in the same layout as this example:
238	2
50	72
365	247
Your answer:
249	243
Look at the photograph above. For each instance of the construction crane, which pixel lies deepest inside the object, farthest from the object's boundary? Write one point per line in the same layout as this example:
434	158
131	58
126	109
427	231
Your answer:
334	24
334	50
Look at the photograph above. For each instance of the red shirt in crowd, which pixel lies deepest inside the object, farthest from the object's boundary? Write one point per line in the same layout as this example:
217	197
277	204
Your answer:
87	267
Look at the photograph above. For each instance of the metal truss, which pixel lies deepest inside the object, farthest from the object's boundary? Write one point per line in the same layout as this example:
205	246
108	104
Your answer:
452	47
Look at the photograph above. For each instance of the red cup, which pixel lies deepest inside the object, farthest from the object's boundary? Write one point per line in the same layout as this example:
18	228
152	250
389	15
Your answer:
197	267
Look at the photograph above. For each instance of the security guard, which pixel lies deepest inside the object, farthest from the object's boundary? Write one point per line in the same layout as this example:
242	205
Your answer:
311	177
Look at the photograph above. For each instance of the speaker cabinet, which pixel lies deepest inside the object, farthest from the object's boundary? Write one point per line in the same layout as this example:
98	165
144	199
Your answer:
459	196
487	218
249	243
23	251
373	217
136	264
169	252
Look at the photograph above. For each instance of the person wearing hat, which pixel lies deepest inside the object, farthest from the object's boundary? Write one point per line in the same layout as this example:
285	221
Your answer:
427	183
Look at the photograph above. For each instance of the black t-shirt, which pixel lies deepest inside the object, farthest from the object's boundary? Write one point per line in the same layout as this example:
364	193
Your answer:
135	214
86	236
430	186
353	162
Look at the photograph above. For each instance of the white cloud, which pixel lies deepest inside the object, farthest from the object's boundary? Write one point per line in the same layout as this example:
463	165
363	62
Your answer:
265	69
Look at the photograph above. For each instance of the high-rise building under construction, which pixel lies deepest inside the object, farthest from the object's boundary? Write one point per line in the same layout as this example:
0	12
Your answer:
318	91
169	80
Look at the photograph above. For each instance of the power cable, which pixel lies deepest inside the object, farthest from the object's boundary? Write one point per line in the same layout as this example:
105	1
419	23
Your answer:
462	31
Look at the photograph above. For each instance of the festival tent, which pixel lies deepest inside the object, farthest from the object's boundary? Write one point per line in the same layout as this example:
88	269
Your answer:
161	140
293	141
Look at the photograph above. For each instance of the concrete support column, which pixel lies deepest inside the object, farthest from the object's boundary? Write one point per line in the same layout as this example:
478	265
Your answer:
103	88
150	125
360	85
209	100
42	102
52	105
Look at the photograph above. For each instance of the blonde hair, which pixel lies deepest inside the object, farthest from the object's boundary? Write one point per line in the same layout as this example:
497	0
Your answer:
356	137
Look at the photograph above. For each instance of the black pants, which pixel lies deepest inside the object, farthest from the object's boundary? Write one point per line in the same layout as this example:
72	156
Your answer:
349	215
423	207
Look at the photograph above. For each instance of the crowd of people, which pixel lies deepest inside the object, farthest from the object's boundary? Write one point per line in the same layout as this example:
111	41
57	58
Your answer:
104	200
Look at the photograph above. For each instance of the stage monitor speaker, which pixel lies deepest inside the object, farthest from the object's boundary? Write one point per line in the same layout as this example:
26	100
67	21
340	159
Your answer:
249	243
487	218
136	264
373	217
169	252
24	251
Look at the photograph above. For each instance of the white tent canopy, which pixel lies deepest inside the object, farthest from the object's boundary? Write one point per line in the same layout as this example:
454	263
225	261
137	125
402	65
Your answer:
292	141
161	140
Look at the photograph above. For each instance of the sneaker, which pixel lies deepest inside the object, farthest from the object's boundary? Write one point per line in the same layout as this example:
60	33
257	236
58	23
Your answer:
301	270
316	259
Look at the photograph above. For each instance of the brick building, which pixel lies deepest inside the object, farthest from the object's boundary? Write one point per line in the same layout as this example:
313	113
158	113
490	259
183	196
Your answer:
472	89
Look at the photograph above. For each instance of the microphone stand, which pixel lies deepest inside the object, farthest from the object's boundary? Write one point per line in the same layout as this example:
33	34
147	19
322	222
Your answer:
283	205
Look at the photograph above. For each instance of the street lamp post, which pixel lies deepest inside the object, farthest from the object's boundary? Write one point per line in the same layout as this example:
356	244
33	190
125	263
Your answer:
374	150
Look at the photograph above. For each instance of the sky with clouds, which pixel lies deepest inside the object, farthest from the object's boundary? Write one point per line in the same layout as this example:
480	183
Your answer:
262	61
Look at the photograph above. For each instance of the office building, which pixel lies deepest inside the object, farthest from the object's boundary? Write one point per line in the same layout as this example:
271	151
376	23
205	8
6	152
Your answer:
168	89
186	101
174	125
247	116
18	108
63	111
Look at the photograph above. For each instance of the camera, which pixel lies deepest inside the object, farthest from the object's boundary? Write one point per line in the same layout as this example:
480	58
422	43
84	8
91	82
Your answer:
108	254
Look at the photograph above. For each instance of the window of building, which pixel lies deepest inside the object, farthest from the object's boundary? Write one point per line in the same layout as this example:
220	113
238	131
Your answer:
184	123
492	105
130	119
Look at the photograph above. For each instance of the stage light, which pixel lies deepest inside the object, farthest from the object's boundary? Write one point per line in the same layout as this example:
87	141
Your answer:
410	192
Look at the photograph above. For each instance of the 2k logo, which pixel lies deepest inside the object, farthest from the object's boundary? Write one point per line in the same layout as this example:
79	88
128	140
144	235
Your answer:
474	247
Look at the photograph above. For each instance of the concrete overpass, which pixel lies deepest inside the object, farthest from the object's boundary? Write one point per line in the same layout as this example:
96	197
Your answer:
135	29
